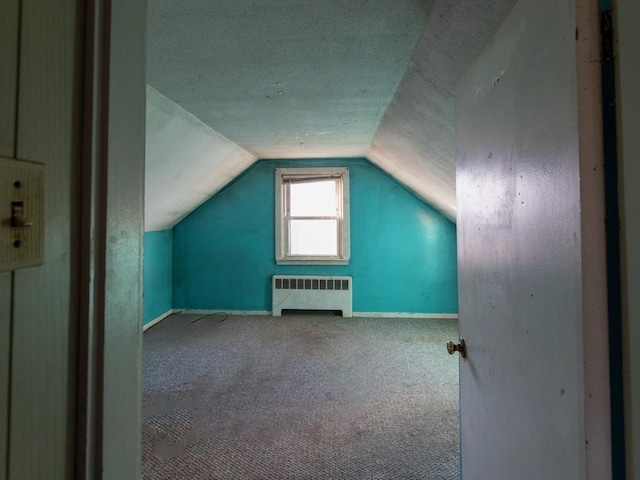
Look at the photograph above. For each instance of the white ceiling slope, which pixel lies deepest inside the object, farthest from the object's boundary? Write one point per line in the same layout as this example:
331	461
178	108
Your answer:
234	80
186	162
416	139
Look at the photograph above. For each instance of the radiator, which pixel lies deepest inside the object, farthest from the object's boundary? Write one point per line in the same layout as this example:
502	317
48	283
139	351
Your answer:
295	292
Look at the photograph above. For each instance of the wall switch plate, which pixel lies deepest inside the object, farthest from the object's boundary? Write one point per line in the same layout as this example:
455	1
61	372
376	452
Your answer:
21	214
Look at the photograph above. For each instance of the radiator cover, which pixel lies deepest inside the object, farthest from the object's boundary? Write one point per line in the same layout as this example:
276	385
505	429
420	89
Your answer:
304	292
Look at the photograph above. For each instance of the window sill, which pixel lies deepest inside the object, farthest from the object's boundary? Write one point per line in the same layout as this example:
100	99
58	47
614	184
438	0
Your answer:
311	261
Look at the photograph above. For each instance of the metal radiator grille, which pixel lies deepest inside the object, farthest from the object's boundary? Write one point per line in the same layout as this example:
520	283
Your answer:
311	284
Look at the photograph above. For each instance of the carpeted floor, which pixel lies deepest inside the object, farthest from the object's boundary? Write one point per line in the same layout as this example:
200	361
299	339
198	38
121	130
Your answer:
299	397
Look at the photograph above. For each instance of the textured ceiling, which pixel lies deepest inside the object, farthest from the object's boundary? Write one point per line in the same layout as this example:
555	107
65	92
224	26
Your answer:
233	81
416	139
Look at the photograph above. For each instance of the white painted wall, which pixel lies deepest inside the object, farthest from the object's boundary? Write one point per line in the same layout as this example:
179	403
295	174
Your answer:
531	251
187	162
627	13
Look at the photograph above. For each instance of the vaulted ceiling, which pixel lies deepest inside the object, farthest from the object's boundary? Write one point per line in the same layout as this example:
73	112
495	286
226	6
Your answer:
234	81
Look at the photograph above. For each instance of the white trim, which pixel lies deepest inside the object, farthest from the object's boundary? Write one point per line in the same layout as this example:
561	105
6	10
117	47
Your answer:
428	316
445	316
222	310
157	320
315	261
344	241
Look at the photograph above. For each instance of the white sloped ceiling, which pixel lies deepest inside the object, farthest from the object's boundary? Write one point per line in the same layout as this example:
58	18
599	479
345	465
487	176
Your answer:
233	81
186	162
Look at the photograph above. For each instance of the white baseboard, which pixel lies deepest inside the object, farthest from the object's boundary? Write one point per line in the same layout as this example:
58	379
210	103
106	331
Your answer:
157	320
446	316
228	312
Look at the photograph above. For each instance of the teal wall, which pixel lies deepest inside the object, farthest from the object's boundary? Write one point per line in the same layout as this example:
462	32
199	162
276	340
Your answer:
403	252
158	274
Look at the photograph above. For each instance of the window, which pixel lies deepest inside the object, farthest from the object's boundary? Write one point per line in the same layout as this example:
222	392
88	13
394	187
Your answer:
312	216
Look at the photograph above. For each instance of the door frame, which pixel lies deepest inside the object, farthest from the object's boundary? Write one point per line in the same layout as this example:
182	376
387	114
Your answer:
110	238
596	313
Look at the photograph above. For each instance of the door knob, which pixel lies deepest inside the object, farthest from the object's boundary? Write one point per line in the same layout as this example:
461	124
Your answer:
460	347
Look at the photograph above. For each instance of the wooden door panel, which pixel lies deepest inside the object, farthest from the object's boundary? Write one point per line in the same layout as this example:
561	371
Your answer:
519	247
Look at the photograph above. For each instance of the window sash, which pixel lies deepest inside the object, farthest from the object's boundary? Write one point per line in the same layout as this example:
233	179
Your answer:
335	201
297	245
285	249
289	219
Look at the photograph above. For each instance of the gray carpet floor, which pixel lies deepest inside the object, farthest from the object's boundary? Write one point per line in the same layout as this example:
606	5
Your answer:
299	397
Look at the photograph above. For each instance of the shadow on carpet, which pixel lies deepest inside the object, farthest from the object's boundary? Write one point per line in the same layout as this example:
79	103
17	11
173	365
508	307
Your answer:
299	397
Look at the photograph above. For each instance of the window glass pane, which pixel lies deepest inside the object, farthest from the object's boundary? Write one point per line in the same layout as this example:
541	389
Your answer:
313	199
313	237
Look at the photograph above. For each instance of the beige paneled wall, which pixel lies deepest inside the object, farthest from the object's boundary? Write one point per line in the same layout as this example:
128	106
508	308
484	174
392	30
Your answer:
8	62
5	333
44	311
43	314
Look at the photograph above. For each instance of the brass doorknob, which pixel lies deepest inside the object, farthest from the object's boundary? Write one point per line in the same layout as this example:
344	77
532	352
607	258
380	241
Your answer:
460	347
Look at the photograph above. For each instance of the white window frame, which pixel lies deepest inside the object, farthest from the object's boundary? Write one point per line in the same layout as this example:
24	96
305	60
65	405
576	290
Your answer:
281	234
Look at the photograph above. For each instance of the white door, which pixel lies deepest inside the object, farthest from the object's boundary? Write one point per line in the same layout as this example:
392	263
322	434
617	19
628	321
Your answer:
522	397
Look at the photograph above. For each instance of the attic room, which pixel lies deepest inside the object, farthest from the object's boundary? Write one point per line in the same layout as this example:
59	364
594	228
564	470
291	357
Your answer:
239	94
249	90
249	102
475	242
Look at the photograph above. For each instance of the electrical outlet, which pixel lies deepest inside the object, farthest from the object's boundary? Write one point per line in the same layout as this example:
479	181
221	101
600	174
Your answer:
21	214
